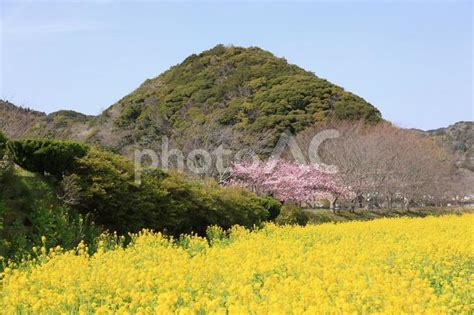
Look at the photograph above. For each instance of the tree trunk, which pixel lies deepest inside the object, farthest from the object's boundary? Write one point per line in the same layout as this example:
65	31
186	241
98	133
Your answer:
360	199
407	204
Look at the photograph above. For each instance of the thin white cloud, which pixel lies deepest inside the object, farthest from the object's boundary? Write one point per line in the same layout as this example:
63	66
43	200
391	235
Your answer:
15	23
57	27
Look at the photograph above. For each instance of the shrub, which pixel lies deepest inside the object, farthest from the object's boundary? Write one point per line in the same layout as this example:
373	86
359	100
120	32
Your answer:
29	211
194	206
103	185
291	214
164	201
6	171
106	189
43	226
239	206
3	143
5	164
273	207
55	157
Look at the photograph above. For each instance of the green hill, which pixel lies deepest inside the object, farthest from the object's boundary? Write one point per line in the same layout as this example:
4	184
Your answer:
225	94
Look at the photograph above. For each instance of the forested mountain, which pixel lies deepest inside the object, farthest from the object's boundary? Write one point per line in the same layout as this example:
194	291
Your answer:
243	95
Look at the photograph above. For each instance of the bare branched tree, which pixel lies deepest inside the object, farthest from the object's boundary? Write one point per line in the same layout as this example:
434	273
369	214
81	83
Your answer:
388	166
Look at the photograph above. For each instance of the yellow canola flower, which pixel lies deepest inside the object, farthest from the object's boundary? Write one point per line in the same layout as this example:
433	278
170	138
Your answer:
390	266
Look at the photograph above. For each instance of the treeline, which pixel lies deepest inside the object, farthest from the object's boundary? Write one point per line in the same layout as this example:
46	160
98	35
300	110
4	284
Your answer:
101	187
390	167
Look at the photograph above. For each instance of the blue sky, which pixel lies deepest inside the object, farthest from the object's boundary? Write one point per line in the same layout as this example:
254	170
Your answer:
411	59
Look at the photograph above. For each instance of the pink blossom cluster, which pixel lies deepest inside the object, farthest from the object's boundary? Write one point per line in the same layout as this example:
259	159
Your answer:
287	180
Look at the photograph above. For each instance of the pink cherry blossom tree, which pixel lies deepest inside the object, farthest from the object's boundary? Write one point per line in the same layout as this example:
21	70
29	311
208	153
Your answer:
288	181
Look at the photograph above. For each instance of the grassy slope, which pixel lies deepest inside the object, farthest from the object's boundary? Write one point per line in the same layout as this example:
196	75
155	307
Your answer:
30	209
20	194
21	191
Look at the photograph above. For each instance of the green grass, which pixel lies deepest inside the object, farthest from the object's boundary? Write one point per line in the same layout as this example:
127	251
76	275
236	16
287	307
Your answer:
30	209
318	216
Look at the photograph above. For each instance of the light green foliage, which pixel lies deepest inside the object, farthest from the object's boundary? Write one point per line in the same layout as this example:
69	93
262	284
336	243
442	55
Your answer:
291	214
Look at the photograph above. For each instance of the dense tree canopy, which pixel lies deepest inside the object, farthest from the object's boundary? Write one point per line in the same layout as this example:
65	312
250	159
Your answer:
55	157
246	89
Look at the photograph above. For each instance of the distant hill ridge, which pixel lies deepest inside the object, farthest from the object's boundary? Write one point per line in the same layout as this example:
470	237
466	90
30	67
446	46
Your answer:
17	121
458	137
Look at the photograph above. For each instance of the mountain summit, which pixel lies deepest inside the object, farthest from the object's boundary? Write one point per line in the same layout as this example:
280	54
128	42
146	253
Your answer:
242	93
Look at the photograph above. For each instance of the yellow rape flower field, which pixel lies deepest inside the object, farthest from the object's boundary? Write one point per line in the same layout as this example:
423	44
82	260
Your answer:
423	265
